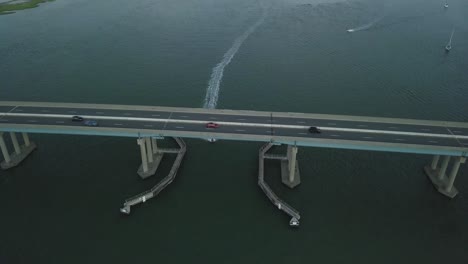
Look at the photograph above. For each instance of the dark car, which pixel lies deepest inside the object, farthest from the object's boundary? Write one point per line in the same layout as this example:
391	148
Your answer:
77	118
315	130
91	123
212	125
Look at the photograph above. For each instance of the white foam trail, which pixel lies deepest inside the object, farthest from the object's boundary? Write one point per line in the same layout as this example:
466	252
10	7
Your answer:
212	92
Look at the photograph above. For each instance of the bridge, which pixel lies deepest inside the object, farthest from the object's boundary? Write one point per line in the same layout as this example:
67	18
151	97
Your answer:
445	141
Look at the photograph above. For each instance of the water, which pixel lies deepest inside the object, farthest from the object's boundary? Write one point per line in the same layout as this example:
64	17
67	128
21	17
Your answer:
212	92
61	205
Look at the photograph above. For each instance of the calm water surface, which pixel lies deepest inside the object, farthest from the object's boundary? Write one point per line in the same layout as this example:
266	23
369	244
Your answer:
61	205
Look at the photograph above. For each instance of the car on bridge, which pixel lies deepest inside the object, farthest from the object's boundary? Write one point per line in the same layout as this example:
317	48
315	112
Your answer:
212	125
92	123
315	130
77	118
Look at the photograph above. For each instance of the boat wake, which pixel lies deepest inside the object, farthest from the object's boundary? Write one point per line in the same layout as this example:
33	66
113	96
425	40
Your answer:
364	27
212	92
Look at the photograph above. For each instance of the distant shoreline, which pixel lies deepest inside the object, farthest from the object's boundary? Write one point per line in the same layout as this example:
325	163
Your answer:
9	6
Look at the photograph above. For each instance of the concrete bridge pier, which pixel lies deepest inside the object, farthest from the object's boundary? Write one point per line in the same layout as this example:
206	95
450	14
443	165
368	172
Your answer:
438	177
150	157
290	168
148	146
20	153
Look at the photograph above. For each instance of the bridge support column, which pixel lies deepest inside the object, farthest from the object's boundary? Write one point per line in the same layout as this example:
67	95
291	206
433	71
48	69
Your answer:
14	140
443	168
441	182
4	148
21	152
449	190
155	145
149	149
290	168
435	161
150	157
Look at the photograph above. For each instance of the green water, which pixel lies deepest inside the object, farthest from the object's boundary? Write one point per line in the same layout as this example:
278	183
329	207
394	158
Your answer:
61	205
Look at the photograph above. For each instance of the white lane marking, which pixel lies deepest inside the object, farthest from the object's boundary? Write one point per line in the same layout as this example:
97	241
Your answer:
155	115
457	131
368	137
212	117
45	111
4	120
324	129
433	141
300	122
179	127
32	121
399	139
240	130
19	110
99	113
335	135
71	112
331	124
392	127
184	116
425	129
269	131
241	119
59	122
302	133
127	114
148	125
118	124
362	126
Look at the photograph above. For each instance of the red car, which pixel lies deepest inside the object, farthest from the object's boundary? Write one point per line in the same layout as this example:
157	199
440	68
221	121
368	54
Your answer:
211	125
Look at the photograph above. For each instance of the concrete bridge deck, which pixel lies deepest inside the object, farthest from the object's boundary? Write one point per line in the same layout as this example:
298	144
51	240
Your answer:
338	131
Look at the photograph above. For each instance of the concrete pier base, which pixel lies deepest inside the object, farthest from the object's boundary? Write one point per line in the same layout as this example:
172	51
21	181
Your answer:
285	174
16	159
440	183
152	166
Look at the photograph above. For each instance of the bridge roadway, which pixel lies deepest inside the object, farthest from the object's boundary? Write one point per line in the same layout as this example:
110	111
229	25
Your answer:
338	131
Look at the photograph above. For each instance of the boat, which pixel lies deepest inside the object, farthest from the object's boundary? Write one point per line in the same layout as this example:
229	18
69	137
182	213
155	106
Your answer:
446	5
294	222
